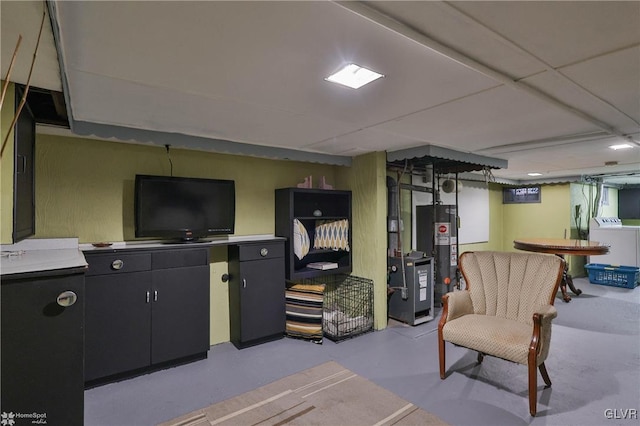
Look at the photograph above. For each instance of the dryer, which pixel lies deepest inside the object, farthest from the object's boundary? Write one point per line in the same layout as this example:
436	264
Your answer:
623	241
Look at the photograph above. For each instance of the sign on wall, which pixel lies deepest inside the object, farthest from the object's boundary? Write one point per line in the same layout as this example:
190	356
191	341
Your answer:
528	194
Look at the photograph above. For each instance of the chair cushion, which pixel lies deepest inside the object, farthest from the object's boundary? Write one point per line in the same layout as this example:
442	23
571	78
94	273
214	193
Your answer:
500	337
304	303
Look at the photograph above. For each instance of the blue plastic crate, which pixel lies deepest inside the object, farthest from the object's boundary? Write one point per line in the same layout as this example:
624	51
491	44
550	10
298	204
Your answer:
616	276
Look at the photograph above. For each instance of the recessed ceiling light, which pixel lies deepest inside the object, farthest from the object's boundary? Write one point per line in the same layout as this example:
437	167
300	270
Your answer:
354	76
621	146
534	174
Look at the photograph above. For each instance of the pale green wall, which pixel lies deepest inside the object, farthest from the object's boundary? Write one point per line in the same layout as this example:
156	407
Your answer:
6	167
219	296
367	179
496	222
548	219
582	195
84	189
612	209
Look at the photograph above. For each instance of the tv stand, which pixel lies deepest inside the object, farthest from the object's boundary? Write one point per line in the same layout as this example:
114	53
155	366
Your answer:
147	303
144	308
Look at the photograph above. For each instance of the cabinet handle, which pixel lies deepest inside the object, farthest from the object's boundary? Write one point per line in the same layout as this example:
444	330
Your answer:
117	264
155	295
148	296
21	164
244	283
66	298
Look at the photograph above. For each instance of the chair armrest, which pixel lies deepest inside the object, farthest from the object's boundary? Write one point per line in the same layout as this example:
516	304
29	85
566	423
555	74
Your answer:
457	304
546	313
541	337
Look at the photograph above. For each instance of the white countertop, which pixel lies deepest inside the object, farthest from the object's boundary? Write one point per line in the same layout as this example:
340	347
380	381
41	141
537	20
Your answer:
221	241
37	255
18	262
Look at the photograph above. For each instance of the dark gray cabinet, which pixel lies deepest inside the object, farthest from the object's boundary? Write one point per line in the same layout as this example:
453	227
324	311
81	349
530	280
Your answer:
180	313
118	319
23	177
310	207
256	293
145	308
42	344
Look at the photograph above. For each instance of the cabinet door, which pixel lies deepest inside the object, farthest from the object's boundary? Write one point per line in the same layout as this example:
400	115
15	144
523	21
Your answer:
118	323
42	346
23	191
262	304
180	313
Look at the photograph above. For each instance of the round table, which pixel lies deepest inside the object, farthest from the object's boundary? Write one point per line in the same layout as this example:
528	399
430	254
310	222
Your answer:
562	247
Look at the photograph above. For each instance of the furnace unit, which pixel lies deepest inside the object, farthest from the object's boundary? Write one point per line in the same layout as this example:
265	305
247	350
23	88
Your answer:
437	236
412	299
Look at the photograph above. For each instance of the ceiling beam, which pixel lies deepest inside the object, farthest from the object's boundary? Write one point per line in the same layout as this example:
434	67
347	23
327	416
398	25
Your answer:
370	13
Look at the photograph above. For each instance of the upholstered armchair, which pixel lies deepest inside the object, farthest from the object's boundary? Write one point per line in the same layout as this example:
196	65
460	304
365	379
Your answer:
505	310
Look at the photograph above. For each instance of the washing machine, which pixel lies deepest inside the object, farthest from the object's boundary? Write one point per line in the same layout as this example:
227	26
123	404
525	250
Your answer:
623	241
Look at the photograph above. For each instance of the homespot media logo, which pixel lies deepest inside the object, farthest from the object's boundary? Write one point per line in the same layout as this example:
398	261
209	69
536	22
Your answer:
9	419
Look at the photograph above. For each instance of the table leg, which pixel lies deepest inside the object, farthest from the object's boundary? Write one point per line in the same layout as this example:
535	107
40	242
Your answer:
573	288
568	280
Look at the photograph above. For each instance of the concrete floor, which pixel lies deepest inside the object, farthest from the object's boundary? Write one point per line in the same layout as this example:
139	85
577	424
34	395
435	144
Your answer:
594	365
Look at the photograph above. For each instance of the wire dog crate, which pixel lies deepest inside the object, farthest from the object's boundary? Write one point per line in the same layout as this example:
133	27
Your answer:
347	307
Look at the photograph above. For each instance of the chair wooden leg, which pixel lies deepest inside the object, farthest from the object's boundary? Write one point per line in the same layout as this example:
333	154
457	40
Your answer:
545	375
480	357
441	353
533	389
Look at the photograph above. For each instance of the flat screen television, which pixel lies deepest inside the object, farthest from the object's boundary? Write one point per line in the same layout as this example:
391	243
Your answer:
183	209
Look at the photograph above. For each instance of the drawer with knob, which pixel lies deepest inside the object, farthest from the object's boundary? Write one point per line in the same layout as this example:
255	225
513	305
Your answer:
118	263
268	250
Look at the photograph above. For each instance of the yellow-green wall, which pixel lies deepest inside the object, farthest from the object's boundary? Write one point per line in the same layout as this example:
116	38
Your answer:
611	210
84	189
6	167
496	222
367	180
548	219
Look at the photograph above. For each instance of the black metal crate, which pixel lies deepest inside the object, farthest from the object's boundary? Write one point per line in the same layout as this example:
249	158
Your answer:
347	306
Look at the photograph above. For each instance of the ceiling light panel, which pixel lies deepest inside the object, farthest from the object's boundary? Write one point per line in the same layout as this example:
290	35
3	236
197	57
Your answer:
621	146
354	76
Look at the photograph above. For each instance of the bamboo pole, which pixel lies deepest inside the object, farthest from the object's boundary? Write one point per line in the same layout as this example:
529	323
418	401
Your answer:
26	90
6	79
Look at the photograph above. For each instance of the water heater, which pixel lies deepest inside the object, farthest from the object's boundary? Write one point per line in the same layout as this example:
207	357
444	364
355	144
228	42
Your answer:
437	236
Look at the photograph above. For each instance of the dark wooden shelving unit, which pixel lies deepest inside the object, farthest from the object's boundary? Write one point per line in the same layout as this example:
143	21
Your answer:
301	203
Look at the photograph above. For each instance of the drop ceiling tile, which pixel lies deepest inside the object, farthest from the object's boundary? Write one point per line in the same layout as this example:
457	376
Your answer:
487	119
561	32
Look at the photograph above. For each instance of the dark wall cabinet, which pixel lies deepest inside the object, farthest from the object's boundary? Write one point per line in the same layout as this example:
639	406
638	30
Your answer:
256	293
42	343
145	308
23	178
310	207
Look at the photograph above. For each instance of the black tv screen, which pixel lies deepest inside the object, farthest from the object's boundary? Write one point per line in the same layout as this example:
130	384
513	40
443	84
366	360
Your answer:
182	208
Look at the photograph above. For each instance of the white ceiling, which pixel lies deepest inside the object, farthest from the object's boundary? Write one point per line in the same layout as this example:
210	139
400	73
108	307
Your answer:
547	86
